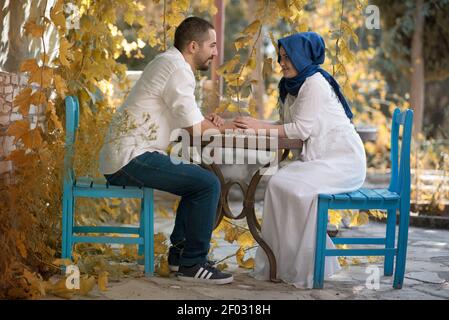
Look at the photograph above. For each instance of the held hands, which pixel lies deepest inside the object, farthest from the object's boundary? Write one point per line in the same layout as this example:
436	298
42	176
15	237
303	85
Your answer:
248	123
241	123
220	123
216	119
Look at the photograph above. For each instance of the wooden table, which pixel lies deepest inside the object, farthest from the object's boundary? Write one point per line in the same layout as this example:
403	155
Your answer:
282	148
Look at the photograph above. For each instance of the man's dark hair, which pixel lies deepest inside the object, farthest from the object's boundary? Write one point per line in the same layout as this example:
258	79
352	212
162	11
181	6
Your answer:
191	29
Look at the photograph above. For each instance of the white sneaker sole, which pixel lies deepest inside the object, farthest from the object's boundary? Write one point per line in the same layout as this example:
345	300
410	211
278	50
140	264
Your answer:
213	281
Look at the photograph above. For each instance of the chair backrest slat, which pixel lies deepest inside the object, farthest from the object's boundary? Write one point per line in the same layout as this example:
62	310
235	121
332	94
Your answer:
72	123
395	125
400	167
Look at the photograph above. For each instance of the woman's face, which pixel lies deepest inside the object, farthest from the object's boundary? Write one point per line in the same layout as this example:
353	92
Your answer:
288	69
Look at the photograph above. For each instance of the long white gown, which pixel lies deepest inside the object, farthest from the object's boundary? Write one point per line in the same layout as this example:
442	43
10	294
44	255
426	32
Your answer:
332	161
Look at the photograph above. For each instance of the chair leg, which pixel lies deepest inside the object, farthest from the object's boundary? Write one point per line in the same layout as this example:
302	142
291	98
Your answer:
148	224
141	231
64	226
69	224
390	241
402	246
320	245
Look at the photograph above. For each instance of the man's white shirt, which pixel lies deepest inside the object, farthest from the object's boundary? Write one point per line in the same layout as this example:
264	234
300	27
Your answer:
161	101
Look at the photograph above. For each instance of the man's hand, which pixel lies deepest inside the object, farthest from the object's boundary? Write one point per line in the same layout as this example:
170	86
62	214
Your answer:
228	125
216	119
249	123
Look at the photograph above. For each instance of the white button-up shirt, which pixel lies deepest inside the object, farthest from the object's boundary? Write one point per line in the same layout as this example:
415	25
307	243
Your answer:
161	101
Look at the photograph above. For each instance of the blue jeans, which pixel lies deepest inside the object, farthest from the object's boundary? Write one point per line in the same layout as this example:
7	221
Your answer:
199	190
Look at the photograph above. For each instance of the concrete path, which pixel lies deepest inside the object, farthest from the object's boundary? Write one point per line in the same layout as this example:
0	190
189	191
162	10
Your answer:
427	276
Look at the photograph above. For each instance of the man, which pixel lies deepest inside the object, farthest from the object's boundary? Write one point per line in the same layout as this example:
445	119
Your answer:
135	149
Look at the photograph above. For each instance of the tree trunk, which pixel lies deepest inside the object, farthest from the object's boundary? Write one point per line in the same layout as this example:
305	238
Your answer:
16	46
216	90
417	69
259	88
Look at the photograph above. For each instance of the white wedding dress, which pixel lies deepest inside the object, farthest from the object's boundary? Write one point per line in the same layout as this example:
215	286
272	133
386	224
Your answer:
332	161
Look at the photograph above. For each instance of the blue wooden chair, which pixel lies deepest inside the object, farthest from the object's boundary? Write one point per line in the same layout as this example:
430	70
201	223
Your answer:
89	188
396	197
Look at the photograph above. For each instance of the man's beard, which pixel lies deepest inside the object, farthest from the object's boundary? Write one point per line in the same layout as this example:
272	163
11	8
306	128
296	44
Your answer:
204	66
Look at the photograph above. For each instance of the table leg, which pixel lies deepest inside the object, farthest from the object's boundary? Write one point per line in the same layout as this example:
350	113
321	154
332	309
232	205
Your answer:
248	208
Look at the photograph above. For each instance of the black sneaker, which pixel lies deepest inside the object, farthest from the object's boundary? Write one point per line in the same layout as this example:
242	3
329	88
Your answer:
173	260
204	273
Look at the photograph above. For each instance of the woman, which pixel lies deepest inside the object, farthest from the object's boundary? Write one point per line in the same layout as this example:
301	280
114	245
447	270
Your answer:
314	110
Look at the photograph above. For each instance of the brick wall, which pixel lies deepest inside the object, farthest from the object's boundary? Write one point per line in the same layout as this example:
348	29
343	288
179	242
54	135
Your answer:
10	85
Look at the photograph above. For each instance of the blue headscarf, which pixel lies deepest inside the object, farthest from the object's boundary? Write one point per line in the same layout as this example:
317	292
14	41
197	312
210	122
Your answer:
306	51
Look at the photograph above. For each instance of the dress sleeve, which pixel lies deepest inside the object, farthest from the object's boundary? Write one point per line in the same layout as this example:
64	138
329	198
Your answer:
179	96
305	110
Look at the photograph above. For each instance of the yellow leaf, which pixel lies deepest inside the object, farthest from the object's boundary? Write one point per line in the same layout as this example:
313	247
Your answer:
348	92
248	264
103	281
57	15
231	234
274	43
64	46
242	42
163	269
129	17
267	69
221	108
359	219
253	108
348	30
62	262
222	266
245	239
29	65
234	79
163	212
229	66
374	259
42	76
335	217
252	28
34	29
32	139
349	56
86	285
18	157
18	129
21	247
251	65
38	98
35	282
343	261
60	85
302	27
23	100
233	108
159	246
59	6
340	69
53	116
299	4
60	289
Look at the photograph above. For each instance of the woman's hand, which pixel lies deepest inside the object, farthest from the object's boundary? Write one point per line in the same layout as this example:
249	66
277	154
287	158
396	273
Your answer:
248	123
216	119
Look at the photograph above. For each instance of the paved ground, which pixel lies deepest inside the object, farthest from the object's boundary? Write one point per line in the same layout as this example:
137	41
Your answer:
427	276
